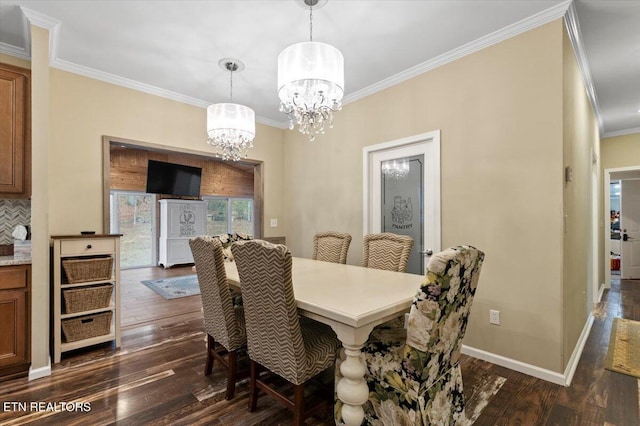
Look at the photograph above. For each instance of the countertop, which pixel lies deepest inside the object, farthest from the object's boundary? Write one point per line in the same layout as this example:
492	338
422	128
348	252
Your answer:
15	260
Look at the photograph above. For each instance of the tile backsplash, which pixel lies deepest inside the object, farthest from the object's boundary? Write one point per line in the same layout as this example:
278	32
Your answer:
12	214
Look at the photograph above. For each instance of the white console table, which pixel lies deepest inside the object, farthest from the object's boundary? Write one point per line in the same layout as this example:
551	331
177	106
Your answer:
180	220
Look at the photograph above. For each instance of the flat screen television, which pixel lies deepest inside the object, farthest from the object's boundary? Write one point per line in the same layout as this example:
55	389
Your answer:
173	179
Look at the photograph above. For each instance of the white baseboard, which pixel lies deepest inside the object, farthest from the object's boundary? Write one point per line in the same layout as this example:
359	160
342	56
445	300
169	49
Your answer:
532	370
512	364
38	373
577	351
601	292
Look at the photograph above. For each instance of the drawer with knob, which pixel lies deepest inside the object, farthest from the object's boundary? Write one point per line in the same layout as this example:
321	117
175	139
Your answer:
83	247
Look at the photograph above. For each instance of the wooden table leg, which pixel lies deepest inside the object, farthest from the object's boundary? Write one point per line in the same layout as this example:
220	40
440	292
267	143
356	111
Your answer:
352	388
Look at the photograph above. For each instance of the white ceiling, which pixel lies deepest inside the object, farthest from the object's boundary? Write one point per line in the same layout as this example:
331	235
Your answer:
172	48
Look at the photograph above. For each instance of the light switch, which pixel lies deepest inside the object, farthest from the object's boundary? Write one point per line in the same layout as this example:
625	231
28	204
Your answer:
274	223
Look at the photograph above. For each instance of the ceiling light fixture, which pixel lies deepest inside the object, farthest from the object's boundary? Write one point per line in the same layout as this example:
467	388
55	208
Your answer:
231	127
310	82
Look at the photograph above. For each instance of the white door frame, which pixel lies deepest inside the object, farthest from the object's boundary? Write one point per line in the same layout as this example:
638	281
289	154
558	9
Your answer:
432	168
593	295
607	213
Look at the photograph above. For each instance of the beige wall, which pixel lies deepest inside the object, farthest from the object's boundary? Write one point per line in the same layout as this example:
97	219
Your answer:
84	109
12	60
581	144
40	148
71	114
500	113
621	151
503	149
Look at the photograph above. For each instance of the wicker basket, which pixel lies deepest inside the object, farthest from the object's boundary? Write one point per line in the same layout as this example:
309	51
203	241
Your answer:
86	298
79	270
86	326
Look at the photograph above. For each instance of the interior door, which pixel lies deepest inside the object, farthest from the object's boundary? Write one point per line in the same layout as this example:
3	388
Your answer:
404	194
630	225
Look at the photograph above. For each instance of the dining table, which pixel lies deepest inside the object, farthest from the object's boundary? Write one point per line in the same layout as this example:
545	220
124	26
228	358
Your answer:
352	300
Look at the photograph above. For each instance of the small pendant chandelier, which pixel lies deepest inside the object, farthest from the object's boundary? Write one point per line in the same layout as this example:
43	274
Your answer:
231	127
310	82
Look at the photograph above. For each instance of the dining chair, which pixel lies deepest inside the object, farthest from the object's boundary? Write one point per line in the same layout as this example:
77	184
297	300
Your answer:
413	374
293	348
227	240
331	246
387	251
223	322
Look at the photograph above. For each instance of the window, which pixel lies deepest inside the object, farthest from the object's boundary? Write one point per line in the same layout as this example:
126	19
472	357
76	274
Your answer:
225	214
133	214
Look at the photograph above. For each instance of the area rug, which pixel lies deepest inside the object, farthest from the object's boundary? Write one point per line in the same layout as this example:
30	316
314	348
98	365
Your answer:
174	287
623	355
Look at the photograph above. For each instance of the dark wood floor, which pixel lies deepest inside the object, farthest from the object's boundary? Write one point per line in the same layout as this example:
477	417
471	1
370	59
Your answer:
157	378
141	305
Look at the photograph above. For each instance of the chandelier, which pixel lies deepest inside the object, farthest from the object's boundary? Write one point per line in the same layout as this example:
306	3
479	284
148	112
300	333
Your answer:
396	169
231	127
310	82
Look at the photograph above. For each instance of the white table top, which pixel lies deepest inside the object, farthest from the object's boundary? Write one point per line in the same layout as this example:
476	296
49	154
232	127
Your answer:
352	295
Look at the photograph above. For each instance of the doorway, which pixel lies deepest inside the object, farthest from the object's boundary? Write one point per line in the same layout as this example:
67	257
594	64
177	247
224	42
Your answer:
402	196
622	249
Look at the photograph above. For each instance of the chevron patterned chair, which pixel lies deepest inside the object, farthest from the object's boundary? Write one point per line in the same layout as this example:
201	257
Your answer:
295	349
413	374
331	246
223	322
387	251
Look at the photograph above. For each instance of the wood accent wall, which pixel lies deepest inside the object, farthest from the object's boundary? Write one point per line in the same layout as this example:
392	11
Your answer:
128	171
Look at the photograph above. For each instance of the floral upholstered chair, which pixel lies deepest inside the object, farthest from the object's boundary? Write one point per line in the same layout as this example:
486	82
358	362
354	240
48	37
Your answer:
227	240
414	375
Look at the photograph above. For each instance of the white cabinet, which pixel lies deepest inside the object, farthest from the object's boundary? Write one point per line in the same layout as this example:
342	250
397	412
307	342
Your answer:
180	220
85	291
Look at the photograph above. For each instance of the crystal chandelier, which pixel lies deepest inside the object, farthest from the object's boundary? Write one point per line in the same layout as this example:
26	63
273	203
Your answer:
310	82
231	127
396	169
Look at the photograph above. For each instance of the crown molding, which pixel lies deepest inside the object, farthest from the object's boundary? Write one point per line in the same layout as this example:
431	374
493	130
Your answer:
142	87
272	123
18	52
621	132
575	36
534	21
48	23
40	19
498	36
126	82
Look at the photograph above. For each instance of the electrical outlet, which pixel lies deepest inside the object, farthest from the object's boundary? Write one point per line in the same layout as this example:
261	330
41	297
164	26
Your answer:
494	317
274	223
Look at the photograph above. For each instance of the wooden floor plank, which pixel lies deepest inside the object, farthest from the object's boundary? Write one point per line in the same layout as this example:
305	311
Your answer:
157	376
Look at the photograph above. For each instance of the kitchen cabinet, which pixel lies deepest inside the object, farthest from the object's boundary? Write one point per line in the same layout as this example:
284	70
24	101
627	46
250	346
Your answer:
15	337
85	291
15	132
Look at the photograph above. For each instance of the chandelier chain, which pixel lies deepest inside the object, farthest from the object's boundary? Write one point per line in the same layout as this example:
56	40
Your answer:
310	22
